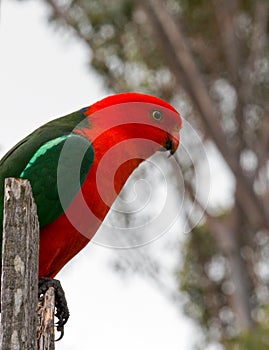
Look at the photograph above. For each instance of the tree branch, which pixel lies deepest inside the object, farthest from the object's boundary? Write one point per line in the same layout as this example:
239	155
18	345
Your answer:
225	11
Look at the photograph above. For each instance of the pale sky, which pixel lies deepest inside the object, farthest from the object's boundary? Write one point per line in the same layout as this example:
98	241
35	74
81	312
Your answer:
44	74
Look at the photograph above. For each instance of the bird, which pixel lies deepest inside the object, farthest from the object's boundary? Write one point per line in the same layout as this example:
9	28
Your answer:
74	182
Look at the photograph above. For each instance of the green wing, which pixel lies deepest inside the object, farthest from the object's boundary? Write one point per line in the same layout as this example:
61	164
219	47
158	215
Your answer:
50	158
56	173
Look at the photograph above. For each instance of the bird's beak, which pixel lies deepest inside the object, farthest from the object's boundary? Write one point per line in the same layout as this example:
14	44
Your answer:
171	143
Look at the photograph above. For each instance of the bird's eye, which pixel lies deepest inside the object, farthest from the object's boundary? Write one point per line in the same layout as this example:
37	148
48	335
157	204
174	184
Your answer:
157	115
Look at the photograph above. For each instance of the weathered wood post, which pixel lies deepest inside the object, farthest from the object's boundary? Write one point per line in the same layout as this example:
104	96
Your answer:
19	267
19	290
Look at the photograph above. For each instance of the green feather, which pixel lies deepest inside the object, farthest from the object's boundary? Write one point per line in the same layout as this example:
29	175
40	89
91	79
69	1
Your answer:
42	150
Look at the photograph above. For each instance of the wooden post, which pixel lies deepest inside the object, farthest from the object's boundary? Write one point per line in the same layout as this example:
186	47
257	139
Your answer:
19	267
19	290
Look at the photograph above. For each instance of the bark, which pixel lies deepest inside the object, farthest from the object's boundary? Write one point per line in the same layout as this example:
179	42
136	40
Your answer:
45	335
19	267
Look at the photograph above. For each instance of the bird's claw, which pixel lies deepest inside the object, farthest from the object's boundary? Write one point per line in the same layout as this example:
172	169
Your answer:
60	328
62	312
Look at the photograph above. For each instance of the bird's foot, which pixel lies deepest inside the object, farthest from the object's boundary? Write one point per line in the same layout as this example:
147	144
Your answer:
62	312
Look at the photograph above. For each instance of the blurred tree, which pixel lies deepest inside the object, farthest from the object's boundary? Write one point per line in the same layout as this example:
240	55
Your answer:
214	56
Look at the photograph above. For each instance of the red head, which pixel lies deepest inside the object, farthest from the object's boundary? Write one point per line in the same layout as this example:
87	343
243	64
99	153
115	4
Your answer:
134	116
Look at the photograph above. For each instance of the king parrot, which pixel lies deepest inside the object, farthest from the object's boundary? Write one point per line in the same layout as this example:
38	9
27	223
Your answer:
72	179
